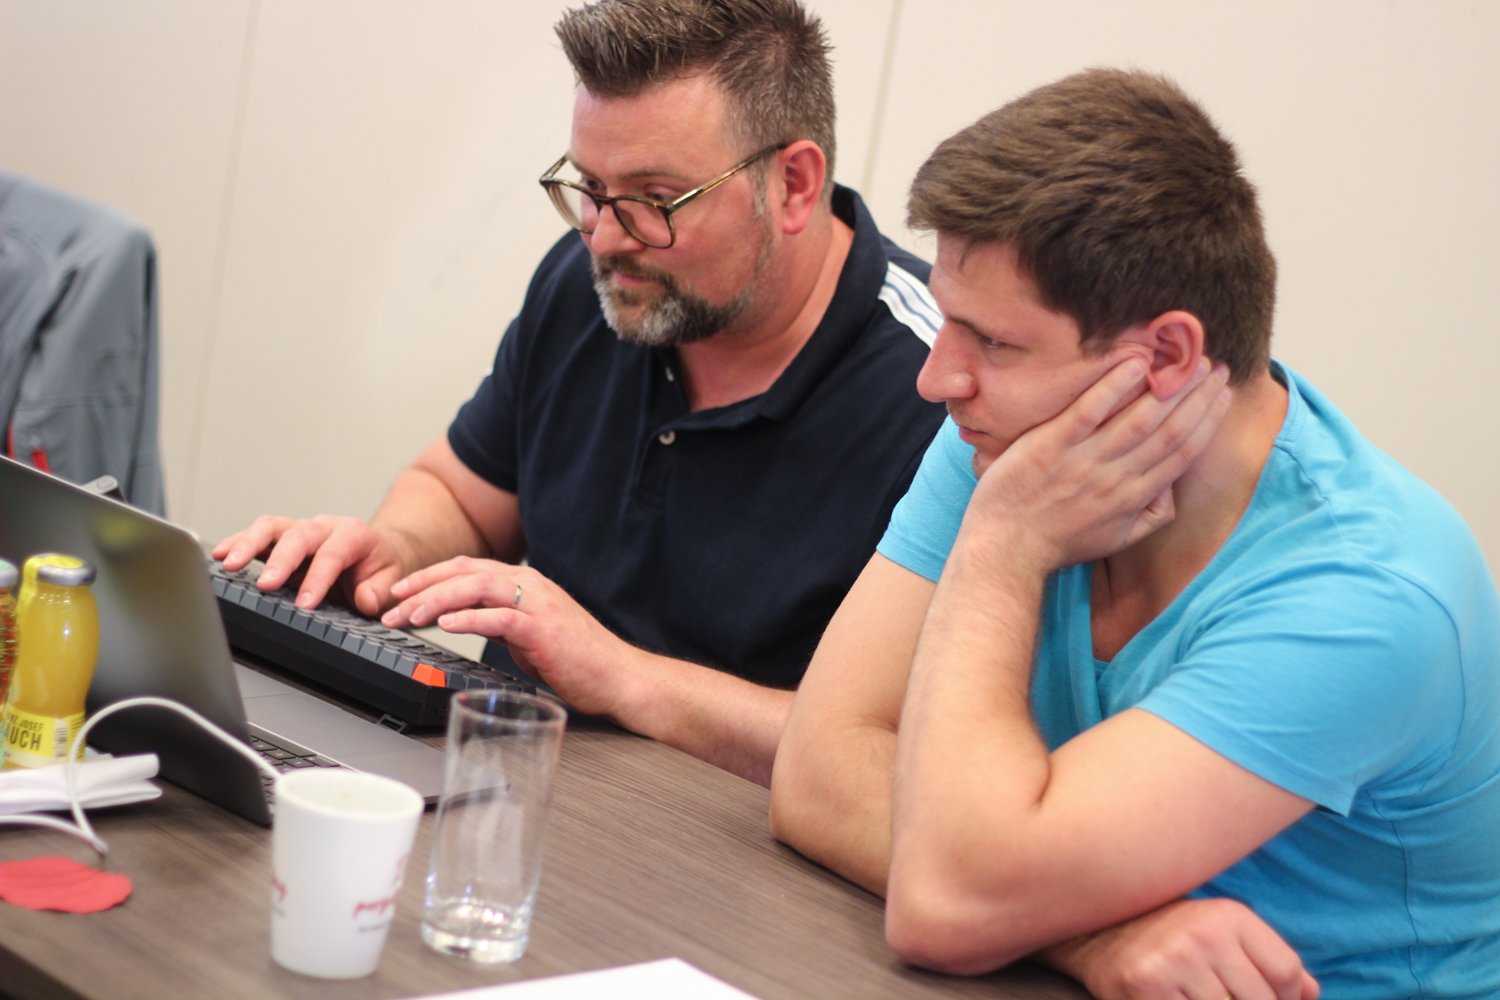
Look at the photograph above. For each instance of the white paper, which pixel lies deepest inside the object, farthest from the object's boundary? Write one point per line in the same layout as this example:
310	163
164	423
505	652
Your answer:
108	781
667	979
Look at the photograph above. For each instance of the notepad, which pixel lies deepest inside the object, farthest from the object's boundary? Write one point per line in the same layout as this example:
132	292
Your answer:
106	781
668	979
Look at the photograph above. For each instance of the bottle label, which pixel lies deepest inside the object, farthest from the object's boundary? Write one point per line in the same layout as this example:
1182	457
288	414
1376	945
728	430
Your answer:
38	740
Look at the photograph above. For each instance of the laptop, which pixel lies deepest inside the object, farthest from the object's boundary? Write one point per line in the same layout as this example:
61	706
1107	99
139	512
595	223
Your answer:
161	634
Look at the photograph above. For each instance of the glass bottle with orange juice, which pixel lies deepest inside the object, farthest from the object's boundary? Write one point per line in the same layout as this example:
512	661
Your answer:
59	645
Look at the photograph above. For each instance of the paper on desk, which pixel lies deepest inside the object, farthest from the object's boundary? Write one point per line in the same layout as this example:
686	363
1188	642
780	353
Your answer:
107	781
668	979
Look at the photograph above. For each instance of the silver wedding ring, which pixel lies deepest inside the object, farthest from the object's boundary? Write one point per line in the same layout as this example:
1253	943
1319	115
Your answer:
515	602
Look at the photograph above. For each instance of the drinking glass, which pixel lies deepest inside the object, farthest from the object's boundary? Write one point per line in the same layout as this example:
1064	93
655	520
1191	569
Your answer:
487	847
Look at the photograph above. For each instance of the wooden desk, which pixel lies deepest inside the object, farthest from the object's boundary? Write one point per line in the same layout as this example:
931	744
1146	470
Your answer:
650	854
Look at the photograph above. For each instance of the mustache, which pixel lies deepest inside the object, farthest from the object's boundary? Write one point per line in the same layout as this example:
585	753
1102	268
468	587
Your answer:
606	266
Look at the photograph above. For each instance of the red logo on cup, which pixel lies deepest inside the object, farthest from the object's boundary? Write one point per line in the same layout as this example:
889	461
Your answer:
379	906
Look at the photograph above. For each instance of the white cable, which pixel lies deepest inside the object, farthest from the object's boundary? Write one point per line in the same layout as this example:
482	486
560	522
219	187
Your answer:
81	827
56	824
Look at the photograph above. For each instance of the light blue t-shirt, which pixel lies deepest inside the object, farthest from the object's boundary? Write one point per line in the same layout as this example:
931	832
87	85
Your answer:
1344	644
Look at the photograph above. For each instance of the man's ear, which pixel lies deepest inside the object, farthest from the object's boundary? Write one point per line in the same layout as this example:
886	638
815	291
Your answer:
801	168
1174	342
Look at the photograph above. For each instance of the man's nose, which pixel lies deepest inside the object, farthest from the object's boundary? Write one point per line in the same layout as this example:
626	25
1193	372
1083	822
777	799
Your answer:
945	375
610	237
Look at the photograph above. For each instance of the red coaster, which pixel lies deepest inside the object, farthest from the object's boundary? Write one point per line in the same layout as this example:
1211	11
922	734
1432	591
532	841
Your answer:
56	883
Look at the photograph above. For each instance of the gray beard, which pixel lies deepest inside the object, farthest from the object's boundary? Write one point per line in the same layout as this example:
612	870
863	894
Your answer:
676	318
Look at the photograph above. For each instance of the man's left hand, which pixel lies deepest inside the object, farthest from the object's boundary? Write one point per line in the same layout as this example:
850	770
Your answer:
1199	948
1098	477
549	634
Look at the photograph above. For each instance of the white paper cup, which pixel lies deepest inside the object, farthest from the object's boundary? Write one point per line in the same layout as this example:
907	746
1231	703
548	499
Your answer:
339	848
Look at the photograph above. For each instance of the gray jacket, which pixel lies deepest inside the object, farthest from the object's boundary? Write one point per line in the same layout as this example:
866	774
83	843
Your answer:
78	340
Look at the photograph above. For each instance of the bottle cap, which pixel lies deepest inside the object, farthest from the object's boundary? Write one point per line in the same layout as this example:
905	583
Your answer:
77	575
8	575
48	559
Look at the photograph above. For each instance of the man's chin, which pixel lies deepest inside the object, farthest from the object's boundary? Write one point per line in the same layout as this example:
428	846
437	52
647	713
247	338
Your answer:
983	459
634	326
626	312
628	328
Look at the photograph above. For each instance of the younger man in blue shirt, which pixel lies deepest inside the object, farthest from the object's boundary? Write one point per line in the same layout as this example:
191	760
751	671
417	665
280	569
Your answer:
1162	672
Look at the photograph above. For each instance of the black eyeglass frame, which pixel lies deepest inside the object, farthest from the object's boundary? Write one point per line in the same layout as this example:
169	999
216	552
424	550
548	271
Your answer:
552	183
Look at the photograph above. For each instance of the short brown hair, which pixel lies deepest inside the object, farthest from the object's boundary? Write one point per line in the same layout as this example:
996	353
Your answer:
1122	201
769	56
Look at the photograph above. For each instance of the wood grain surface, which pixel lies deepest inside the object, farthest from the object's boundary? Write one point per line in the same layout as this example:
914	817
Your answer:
650	854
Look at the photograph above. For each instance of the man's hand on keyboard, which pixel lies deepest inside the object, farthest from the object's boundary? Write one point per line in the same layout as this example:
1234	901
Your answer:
329	546
549	634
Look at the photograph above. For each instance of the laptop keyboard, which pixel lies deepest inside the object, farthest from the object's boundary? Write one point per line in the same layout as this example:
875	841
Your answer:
283	755
392	671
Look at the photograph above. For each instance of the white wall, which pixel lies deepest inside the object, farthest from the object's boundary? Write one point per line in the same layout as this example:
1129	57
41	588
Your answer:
343	194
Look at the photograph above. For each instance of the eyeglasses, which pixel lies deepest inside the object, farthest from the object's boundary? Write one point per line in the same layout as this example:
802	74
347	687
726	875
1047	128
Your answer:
645	219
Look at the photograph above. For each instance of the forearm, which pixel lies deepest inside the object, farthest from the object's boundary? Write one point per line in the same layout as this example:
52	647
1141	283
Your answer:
831	793
425	522
831	800
1076	957
715	716
971	770
1091	958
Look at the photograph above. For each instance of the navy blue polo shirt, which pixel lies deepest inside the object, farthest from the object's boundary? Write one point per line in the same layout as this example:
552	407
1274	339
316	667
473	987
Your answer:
728	536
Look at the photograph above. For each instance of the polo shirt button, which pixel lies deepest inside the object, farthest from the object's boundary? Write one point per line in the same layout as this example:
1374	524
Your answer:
667	437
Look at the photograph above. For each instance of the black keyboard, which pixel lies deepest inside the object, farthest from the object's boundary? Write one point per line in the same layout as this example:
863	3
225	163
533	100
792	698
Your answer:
392	671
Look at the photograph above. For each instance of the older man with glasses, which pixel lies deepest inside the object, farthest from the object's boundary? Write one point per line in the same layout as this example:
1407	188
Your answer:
697	426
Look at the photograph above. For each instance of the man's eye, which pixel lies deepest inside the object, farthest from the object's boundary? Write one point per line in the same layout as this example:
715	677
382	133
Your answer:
992	345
